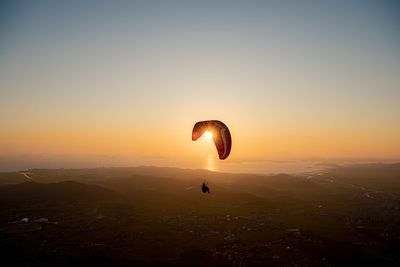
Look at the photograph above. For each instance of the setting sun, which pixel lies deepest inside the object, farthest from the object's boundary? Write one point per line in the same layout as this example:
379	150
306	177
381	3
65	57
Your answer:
208	135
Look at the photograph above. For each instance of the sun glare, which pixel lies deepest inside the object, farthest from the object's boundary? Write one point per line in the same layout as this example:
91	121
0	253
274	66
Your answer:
208	135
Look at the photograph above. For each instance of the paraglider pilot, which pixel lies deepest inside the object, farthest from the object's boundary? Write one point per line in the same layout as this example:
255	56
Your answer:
205	188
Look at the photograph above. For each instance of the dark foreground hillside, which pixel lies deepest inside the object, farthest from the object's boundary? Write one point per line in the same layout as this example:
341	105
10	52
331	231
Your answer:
158	216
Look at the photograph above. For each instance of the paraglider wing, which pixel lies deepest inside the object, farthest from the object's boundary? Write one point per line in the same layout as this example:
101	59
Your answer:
220	133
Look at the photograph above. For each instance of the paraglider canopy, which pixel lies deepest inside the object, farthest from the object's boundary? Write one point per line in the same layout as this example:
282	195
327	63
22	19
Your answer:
220	135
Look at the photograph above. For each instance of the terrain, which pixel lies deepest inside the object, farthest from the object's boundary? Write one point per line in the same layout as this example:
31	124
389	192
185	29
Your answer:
343	216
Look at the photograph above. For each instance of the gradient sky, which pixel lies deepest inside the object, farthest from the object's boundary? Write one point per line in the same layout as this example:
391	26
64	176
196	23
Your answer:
291	79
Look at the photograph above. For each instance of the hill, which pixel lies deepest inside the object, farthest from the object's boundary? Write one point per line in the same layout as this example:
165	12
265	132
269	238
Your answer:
67	192
158	216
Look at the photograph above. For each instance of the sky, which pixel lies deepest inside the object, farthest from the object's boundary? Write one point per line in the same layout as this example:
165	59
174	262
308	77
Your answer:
123	82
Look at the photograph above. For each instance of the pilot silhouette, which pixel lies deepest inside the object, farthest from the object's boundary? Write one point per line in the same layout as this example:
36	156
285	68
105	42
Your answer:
205	188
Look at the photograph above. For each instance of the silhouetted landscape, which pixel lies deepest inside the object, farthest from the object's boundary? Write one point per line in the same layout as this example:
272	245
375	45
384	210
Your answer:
348	215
